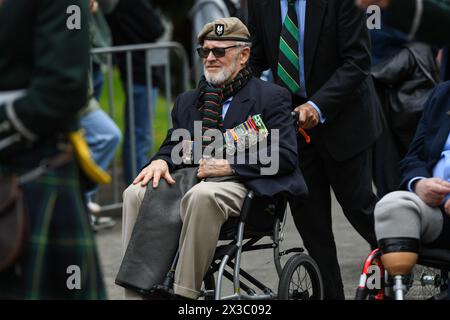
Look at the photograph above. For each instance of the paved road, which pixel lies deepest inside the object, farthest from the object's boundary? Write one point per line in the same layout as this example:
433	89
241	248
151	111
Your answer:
351	251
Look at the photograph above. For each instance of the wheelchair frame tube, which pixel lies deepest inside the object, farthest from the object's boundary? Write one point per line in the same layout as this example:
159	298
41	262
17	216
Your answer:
237	266
362	291
249	278
240	236
219	277
399	288
276	246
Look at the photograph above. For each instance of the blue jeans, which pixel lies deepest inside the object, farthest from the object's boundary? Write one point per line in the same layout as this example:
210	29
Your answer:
103	137
142	131
97	80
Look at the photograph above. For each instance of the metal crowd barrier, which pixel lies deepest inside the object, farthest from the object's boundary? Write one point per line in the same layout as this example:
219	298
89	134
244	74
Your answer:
156	55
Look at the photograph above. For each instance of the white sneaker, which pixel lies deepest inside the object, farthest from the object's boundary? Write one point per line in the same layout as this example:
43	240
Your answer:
94	207
100	223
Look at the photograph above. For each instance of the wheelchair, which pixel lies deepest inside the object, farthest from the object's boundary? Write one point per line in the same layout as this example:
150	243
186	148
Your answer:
429	280
260	218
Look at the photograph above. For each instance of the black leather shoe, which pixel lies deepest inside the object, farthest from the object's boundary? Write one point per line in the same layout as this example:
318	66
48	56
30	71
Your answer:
159	292
178	297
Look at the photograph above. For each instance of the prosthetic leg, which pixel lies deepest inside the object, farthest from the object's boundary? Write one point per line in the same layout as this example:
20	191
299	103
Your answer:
399	258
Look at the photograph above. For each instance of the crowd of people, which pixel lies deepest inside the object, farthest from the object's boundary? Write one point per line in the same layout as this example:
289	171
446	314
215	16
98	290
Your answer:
373	107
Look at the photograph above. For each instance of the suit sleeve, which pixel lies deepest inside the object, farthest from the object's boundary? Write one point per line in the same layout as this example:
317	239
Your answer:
414	163
258	59
354	52
284	156
58	87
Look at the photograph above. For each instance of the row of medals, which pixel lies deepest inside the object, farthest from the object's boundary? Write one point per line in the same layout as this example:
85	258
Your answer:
245	135
239	138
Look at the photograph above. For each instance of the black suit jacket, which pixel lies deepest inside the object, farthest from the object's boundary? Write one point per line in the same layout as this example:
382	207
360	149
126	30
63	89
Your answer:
337	64
431	135
257	97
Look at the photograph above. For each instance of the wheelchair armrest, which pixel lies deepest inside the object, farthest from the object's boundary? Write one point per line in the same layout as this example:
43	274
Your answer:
258	213
247	206
254	206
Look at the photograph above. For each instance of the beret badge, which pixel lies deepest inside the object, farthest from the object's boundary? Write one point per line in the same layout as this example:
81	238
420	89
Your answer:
219	29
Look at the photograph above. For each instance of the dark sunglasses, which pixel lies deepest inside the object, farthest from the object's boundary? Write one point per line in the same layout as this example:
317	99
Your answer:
217	52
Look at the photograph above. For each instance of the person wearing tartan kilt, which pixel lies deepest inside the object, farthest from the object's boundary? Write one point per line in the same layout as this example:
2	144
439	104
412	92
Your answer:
43	84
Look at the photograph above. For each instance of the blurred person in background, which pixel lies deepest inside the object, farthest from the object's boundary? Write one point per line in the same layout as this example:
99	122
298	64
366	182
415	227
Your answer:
136	22
320	51
444	66
404	74
101	133
44	64
419	19
100	37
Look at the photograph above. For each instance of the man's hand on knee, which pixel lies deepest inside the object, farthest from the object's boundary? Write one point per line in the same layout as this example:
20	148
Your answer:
432	191
156	170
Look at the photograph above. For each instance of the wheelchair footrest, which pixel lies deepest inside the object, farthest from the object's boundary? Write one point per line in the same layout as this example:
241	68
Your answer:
285	252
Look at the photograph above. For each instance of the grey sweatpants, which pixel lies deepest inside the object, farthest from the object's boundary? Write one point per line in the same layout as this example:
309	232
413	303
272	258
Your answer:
404	214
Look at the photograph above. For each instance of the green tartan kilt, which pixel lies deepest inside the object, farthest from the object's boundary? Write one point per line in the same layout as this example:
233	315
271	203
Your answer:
60	237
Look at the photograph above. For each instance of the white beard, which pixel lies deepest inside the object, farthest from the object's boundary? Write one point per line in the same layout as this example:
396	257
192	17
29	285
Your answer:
221	77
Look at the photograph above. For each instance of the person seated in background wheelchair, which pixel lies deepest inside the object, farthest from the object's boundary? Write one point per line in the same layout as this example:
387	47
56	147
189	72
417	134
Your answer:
421	215
226	97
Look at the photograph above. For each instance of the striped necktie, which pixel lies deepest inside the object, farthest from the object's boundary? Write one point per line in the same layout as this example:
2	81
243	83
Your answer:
288	61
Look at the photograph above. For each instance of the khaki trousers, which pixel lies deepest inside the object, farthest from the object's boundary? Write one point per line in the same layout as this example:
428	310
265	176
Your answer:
132	200
204	209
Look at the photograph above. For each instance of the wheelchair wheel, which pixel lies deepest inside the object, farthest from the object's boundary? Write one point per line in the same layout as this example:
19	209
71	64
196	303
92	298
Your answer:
300	279
276	251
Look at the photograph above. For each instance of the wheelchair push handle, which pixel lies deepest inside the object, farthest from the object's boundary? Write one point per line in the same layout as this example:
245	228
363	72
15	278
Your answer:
300	130
245	211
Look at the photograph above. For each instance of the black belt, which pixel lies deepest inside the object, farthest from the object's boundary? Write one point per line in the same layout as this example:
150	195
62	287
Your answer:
30	156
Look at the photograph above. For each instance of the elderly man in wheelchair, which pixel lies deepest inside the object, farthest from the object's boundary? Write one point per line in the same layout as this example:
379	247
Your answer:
413	226
182	213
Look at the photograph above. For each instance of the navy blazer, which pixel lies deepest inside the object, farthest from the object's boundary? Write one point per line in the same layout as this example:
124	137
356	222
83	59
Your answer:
337	68
431	134
257	97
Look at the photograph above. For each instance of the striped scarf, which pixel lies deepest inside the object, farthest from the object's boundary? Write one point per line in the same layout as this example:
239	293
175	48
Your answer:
211	99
